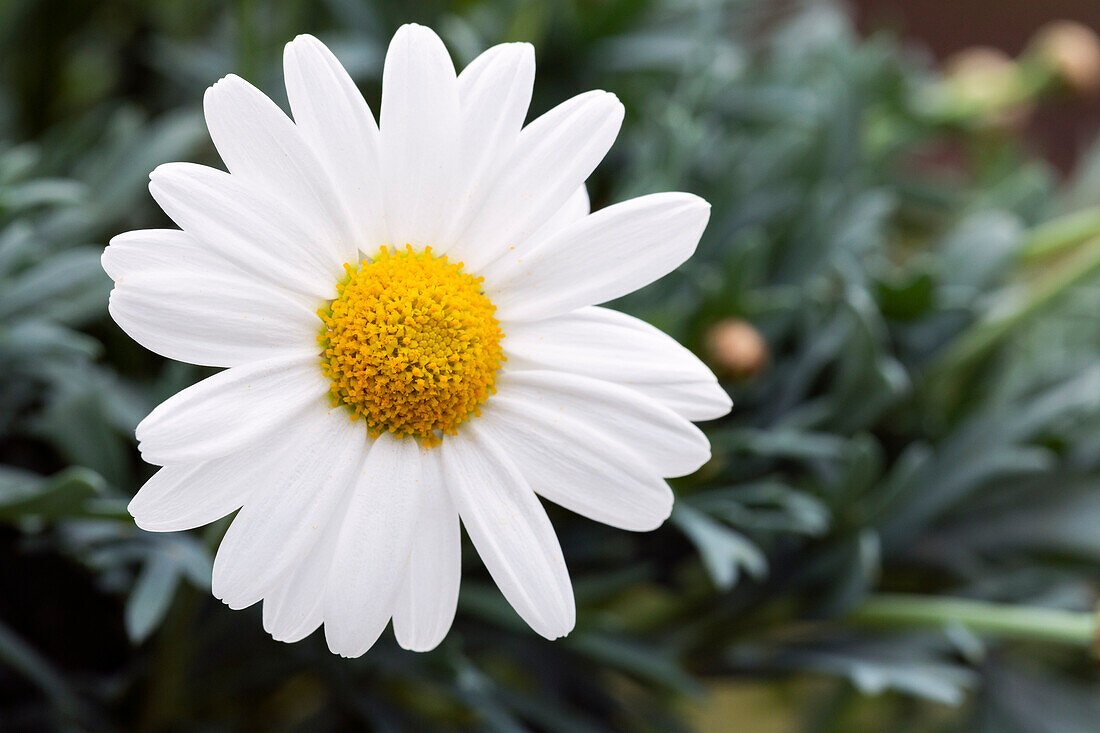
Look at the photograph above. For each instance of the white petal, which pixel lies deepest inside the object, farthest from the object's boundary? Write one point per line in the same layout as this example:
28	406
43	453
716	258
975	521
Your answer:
160	252
189	496
426	604
291	510
664	441
261	146
232	409
577	466
295	608
372	553
606	255
335	120
605	344
494	93
419	127
552	159
245	226
221	319
510	530
697	401
574	209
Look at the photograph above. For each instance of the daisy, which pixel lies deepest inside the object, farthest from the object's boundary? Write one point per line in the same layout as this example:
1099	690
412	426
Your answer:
406	316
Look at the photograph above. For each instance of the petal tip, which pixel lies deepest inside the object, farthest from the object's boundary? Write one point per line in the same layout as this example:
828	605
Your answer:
417	645
217	94
105	264
414	32
297	49
304	39
523	49
134	510
553	633
161	171
218	87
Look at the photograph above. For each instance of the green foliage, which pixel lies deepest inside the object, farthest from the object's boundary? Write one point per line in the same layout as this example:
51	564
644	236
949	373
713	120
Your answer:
927	424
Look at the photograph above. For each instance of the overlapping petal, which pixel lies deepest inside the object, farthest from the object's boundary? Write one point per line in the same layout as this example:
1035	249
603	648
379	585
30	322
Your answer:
153	252
605	344
553	157
194	494
232	410
510	530
284	518
603	478
262	148
426	604
575	208
665	442
334	119
221	319
372	551
295	607
252	230
494	93
598	258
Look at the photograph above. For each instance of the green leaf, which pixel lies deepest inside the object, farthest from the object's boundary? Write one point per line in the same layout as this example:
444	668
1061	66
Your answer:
636	659
69	493
69	288
724	552
151	597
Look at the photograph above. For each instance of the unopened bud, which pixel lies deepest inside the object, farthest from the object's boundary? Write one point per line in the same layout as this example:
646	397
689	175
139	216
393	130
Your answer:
986	85
736	349
982	75
1072	50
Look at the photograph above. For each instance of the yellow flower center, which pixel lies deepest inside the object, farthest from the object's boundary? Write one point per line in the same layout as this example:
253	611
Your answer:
410	344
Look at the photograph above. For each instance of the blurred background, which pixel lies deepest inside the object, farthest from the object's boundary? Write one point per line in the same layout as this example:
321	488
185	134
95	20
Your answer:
900	287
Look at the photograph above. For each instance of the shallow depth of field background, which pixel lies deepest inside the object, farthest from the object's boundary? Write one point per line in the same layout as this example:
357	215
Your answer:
900	287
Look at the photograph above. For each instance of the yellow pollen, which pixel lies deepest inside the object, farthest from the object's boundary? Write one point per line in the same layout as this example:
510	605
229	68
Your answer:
410	344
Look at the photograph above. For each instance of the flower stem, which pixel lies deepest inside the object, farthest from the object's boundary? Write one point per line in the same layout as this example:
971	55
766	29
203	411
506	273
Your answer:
982	617
986	334
1058	235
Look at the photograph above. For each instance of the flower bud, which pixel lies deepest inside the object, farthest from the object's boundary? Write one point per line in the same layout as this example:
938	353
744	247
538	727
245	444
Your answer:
981	75
1072	51
985	85
736	349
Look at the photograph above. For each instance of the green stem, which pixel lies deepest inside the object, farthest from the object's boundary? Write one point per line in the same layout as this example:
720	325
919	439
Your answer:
1070	247
982	617
984	335
1061	234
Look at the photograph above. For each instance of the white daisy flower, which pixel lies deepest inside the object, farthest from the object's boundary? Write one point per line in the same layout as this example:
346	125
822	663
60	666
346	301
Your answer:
406	318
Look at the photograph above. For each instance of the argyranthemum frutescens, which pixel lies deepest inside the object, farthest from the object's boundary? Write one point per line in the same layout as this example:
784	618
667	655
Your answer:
406	316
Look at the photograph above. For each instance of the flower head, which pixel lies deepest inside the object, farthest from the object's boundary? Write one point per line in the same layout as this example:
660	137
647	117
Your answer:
406	317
